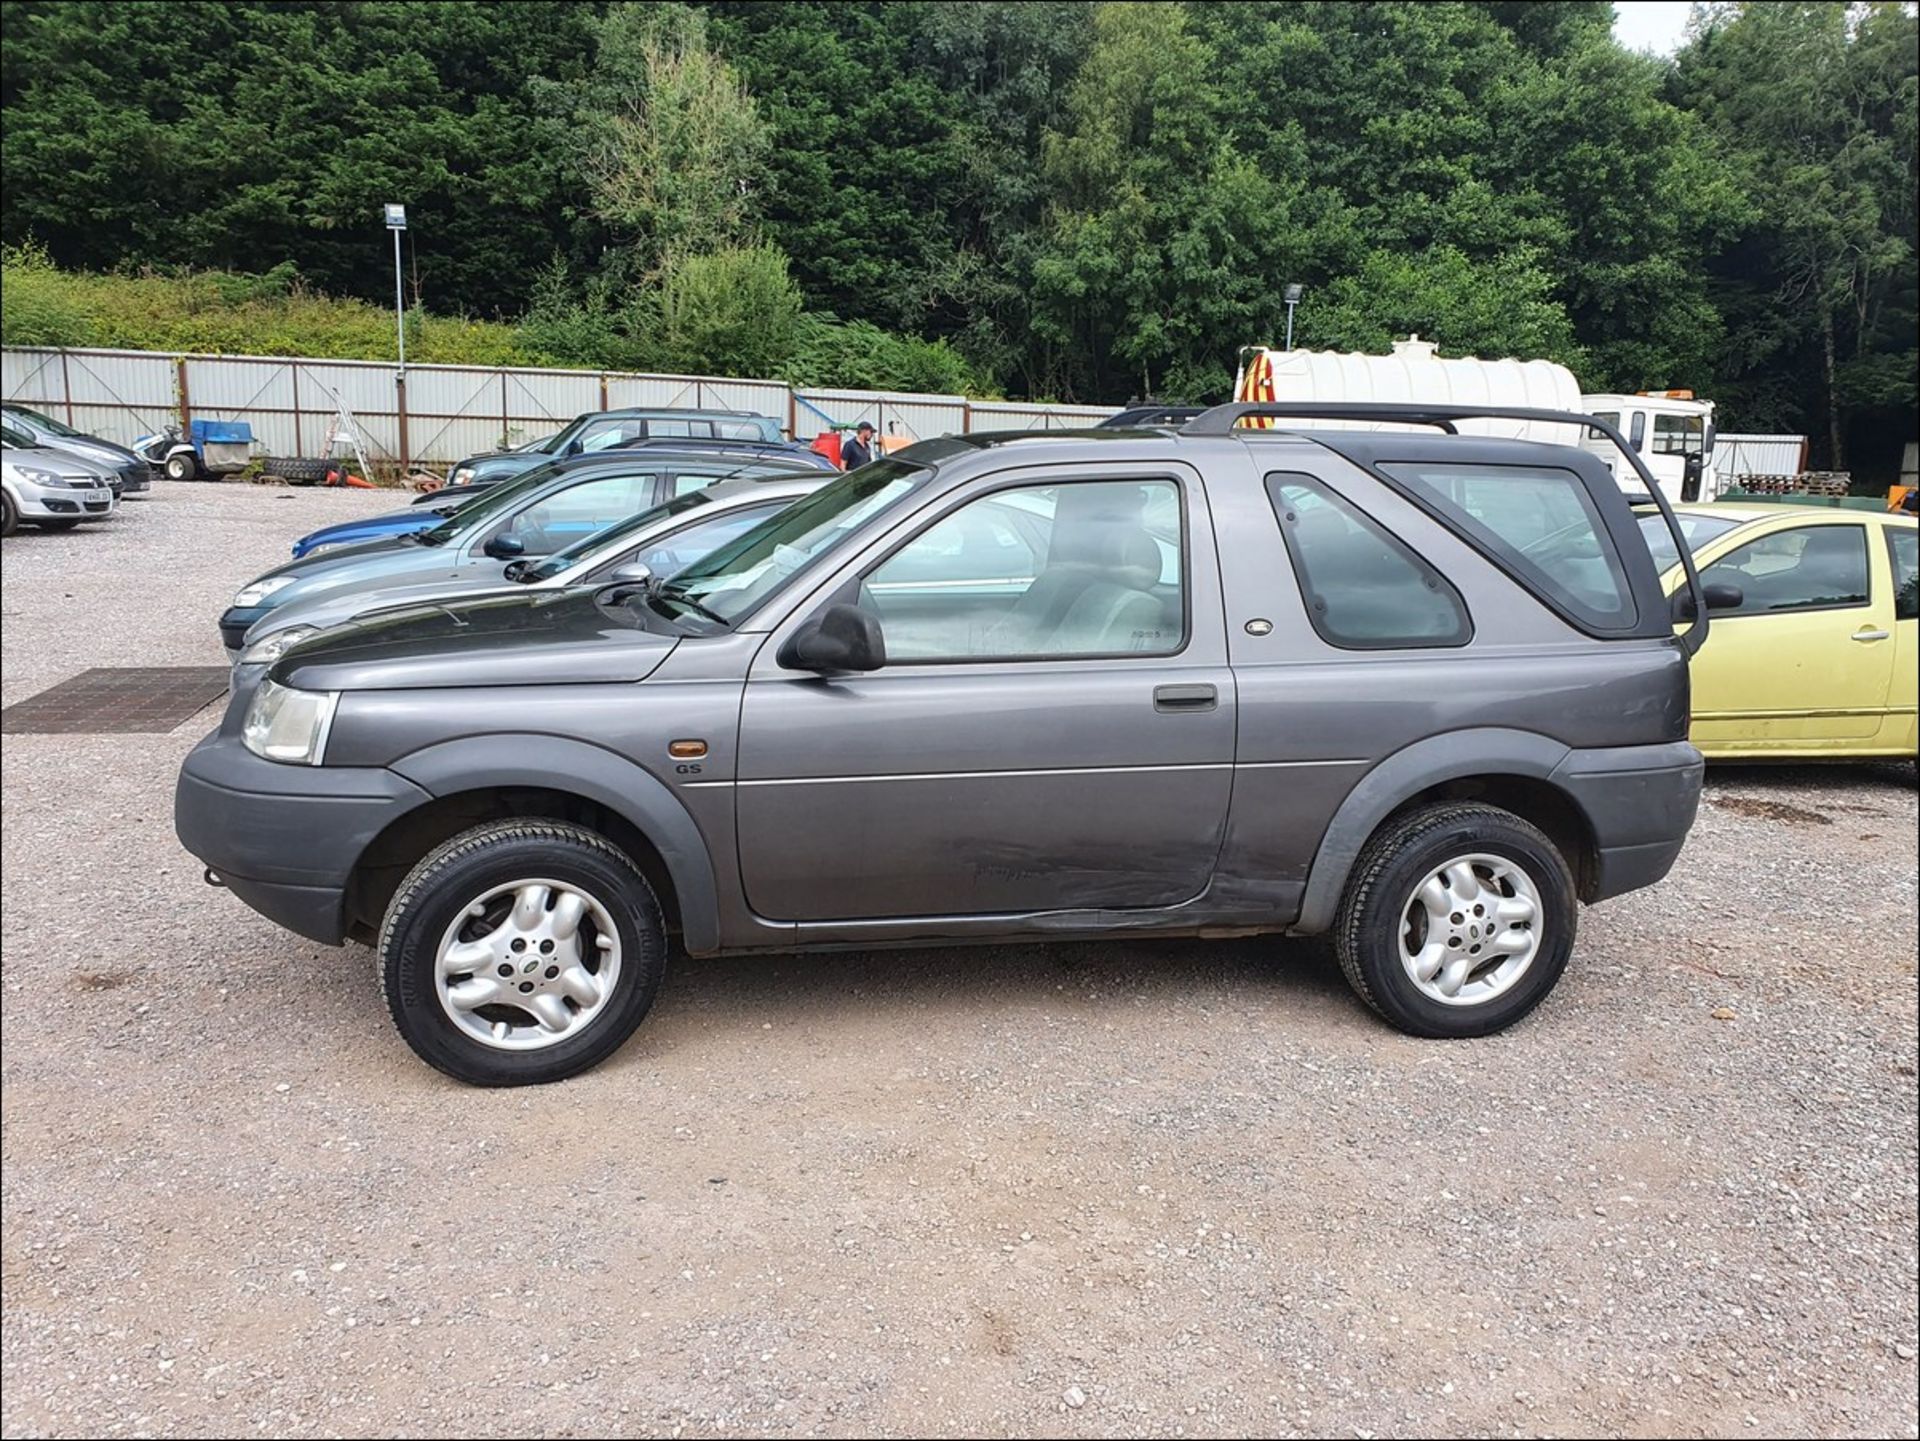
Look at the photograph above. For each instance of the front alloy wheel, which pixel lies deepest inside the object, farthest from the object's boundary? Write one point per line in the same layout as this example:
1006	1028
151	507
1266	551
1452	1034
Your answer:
521	952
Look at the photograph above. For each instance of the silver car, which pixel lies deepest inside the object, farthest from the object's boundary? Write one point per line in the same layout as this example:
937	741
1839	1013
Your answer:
663	540
48	488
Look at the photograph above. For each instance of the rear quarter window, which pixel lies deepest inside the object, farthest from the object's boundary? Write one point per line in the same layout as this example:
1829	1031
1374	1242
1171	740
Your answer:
1539	525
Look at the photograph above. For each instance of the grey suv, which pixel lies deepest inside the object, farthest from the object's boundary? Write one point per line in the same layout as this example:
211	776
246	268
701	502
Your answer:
1182	682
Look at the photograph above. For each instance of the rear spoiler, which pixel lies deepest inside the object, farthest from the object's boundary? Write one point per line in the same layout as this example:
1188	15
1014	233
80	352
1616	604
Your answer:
1225	419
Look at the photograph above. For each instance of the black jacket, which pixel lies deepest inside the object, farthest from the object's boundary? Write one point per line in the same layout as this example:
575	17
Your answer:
853	454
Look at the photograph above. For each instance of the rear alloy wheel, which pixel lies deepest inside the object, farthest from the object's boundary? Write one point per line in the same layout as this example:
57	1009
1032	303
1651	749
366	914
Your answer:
1457	920
520	953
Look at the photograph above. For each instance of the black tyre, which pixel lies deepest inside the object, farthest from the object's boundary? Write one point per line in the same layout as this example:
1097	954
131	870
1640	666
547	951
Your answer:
1457	920
182	467
297	472
54	524
9	516
521	952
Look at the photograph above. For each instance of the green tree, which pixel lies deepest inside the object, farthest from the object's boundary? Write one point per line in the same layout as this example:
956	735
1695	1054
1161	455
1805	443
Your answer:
668	138
1816	105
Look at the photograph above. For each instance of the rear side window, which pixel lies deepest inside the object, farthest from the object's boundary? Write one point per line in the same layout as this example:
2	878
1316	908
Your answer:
1539	524
1903	550
1364	589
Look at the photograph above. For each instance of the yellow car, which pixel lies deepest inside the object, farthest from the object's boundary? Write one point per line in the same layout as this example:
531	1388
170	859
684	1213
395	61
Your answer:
1820	658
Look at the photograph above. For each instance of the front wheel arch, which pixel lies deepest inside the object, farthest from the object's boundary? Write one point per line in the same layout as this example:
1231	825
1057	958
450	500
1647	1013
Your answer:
633	808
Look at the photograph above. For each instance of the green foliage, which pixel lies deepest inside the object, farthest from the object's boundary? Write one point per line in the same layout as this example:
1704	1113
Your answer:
39	305
858	355
1490	308
734	312
1089	201
669	141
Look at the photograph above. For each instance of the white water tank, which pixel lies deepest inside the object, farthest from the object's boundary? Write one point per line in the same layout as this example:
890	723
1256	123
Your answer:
1415	373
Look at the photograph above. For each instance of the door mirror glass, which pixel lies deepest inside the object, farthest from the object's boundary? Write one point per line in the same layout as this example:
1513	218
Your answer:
506	547
840	638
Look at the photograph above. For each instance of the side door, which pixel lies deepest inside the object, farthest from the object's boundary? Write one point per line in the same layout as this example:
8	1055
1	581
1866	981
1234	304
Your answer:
1902	728
1808	655
1053	728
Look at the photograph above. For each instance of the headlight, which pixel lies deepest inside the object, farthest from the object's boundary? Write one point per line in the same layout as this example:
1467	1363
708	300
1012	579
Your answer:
284	724
270	648
461	475
253	594
37	477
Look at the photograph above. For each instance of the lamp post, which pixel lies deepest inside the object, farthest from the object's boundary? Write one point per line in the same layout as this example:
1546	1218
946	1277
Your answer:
397	222
1293	299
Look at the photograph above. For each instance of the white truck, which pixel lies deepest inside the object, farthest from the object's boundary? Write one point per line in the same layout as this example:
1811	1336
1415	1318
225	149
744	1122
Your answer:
1670	429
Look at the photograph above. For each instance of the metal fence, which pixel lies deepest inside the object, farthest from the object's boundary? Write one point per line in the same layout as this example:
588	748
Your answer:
443	413
1738	455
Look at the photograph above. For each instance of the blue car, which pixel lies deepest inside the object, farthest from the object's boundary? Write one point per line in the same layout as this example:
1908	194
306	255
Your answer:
536	515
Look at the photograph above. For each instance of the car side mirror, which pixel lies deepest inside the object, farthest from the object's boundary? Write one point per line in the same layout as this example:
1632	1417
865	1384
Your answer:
840	638
632	572
1720	596
573	447
505	547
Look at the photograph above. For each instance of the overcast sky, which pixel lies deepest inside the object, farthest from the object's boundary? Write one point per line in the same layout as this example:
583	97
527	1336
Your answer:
1655	25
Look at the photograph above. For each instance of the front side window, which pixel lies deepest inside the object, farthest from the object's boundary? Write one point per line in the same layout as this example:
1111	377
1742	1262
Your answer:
1084	569
729	584
1539	523
1679	434
1903	551
1363	588
667	555
1810	567
612	434
557	520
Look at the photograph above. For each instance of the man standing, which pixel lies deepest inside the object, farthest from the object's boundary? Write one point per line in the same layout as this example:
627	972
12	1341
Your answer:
857	449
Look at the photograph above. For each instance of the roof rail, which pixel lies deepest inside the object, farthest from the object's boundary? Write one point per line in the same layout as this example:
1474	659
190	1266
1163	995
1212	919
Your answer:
1221	420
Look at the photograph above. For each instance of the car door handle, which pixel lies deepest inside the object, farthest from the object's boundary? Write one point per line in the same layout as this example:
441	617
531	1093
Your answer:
1185	697
1864	635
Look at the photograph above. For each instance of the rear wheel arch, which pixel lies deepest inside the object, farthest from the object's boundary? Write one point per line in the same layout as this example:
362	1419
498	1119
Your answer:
1506	768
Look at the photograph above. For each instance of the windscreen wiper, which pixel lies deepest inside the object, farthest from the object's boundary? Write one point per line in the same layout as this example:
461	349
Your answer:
657	590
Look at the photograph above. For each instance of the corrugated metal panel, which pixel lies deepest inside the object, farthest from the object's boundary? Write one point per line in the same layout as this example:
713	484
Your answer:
920	417
540	402
116	394
1737	455
1012	415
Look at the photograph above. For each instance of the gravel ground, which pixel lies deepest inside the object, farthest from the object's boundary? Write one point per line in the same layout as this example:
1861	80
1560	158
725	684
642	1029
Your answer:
1129	1188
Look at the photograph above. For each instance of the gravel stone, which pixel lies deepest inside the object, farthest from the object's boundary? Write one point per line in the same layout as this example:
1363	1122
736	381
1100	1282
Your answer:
1253	1210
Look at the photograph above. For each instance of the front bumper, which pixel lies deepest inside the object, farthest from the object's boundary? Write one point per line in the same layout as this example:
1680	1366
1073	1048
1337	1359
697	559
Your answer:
1640	801
135	479
284	838
234	624
47	502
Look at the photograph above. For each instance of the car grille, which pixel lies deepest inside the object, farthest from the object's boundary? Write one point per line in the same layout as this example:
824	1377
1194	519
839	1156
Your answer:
233	637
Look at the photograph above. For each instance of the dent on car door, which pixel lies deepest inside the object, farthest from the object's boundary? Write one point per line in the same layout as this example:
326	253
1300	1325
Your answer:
1805	660
1053	728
